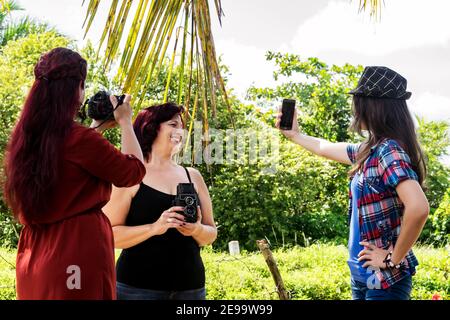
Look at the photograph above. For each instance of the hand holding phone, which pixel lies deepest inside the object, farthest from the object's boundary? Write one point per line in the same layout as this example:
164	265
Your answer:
287	114
287	119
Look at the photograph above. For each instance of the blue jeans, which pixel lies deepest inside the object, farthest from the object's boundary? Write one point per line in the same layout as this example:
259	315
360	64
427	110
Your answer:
126	292
399	291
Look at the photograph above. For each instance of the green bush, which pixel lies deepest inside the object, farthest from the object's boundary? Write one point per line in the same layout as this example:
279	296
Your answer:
437	228
440	220
9	230
290	206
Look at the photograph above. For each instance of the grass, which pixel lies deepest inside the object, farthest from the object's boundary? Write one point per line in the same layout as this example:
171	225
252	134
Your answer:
316	272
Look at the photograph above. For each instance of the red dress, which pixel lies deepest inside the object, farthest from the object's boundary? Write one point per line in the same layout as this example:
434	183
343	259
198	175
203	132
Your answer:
68	251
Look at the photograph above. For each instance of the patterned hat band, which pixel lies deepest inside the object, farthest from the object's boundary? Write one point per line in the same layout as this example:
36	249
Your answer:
381	82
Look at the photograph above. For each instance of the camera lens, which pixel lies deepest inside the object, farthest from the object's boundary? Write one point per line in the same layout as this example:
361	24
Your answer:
189	201
190	211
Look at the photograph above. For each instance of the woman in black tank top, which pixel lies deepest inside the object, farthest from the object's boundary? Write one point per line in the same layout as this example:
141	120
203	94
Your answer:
161	250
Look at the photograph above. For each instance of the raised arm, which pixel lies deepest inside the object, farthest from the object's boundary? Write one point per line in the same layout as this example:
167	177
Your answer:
321	147
123	115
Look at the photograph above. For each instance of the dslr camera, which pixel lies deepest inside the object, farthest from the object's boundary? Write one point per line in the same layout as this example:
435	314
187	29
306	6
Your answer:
99	106
187	197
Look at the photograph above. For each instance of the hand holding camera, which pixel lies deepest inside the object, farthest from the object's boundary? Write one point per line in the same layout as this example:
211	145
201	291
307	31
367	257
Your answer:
187	199
123	112
287	119
192	229
106	109
168	219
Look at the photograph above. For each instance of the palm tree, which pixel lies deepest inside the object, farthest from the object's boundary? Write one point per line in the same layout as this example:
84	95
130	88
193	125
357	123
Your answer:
13	30
374	7
155	25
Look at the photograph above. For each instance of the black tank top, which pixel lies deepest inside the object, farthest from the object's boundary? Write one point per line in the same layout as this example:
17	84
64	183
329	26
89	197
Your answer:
167	262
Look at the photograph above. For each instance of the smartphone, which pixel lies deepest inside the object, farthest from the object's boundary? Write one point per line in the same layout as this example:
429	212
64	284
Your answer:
287	110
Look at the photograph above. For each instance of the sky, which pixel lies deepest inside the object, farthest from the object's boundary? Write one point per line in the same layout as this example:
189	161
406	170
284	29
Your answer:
413	38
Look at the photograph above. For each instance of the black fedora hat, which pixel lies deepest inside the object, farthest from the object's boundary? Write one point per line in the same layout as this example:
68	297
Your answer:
381	82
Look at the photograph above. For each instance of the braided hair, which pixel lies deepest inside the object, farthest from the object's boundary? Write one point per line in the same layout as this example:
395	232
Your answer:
33	152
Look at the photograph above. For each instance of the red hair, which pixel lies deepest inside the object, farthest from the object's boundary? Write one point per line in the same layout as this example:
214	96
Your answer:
147	123
35	147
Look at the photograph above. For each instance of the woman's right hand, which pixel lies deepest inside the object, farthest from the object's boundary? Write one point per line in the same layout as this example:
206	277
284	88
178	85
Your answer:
124	113
288	133
168	219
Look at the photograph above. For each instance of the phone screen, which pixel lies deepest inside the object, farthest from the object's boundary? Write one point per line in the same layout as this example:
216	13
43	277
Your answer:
287	116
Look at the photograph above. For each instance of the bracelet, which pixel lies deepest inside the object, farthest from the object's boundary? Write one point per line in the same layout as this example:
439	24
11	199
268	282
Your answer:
389	264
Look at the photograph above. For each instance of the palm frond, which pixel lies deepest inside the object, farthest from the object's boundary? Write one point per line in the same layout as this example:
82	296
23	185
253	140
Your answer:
6	7
13	29
374	7
156	26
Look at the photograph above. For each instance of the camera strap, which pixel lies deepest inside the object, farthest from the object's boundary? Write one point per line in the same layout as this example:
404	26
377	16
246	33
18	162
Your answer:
82	110
188	175
120	102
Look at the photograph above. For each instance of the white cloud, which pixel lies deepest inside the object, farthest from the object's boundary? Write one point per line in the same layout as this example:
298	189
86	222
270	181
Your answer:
404	24
247	65
431	107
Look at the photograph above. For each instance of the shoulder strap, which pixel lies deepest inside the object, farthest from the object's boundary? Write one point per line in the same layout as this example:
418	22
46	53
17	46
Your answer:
189	176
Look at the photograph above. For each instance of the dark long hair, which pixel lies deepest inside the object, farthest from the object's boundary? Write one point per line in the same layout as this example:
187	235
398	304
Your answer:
34	150
147	123
386	119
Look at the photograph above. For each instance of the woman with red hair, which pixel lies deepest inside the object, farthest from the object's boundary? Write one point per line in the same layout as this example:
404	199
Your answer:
58	178
161	257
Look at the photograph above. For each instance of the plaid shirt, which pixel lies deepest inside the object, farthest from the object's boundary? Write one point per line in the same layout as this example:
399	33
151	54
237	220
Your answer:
380	209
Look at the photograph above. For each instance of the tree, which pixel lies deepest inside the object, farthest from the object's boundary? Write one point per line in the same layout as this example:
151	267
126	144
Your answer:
153	29
148	40
322	96
435	141
305	198
325	111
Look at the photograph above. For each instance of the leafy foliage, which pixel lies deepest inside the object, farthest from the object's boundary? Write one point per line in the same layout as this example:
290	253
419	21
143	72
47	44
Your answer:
321	92
305	198
15	29
289	198
435	141
440	222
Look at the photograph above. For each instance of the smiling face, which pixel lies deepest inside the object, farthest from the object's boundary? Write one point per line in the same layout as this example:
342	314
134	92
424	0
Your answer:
170	135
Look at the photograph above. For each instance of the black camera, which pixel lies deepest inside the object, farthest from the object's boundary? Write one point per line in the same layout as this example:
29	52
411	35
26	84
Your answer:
99	107
187	197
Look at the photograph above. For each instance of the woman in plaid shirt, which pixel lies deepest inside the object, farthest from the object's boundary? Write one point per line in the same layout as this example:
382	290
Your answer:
387	207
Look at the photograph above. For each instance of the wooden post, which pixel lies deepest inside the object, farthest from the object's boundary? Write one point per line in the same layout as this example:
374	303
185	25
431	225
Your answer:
264	247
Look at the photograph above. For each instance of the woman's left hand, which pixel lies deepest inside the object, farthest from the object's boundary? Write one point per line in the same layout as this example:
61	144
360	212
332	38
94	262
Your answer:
192	229
373	256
